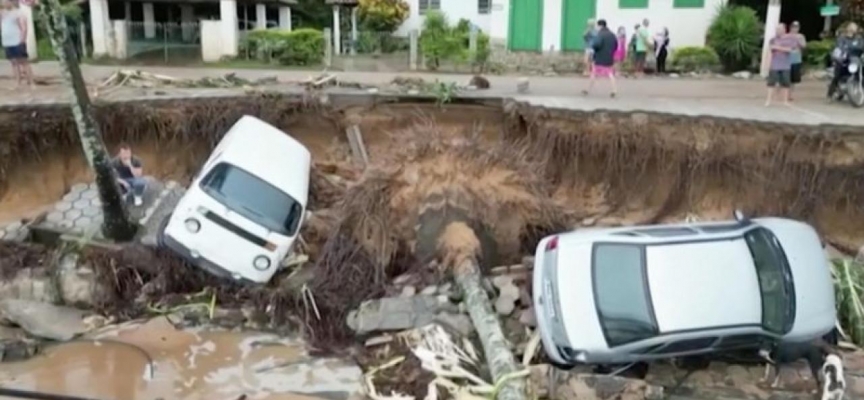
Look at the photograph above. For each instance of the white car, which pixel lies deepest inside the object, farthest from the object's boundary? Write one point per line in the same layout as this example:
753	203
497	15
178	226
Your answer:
628	294
241	215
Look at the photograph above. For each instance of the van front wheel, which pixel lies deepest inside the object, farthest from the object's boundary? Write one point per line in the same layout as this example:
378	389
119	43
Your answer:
160	233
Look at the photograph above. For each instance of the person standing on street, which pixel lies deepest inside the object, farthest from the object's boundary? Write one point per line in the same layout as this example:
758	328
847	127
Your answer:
621	50
605	45
795	57
588	40
643	42
661	50
780	73
13	35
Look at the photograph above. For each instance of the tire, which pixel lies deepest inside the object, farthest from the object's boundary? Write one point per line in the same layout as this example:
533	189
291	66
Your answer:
856	95
160	234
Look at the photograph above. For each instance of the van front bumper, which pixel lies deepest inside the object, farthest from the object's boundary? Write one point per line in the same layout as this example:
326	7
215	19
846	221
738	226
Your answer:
201	262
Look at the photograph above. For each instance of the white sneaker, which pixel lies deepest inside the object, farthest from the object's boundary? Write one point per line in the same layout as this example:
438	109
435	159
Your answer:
138	201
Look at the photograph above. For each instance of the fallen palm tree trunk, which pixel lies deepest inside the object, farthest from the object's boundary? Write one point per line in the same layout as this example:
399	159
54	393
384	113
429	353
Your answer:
459	247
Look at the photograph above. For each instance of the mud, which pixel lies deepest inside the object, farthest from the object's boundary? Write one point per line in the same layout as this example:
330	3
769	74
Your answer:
154	360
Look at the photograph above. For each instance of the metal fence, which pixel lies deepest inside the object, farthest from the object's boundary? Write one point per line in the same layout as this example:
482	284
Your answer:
163	42
372	51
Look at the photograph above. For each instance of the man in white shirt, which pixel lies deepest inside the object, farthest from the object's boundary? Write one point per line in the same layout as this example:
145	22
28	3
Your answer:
13	35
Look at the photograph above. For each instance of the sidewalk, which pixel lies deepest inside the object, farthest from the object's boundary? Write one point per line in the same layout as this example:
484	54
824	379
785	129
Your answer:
724	97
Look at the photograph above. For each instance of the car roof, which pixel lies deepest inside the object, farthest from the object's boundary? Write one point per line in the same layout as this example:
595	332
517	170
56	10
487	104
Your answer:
269	153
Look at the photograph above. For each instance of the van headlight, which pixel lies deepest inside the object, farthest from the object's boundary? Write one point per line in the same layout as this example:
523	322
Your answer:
853	68
261	263
192	225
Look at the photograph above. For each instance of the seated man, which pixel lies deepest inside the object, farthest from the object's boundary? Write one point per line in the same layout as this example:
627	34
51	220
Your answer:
130	174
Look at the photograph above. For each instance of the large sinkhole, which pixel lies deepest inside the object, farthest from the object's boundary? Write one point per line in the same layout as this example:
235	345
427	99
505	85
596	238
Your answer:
517	172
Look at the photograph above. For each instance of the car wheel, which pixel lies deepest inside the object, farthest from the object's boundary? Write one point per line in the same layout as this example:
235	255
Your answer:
160	232
832	338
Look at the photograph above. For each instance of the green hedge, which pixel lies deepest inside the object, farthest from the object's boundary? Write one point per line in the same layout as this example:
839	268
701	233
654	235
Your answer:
695	59
298	47
439	42
817	51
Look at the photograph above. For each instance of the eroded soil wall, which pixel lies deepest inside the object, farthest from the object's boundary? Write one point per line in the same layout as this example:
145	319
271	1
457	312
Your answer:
606	168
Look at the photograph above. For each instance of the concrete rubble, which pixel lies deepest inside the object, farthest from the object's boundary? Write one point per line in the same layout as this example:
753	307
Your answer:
44	320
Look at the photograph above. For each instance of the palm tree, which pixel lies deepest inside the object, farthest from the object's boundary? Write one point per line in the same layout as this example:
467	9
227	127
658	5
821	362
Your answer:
116	224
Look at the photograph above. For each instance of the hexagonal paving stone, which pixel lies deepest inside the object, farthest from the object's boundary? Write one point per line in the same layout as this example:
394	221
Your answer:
96	202
54	217
66	224
90	194
91	211
83	222
72	214
81	204
78	187
72	196
63	206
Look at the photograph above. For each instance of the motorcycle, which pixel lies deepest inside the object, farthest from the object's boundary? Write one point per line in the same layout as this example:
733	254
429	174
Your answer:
853	86
850	82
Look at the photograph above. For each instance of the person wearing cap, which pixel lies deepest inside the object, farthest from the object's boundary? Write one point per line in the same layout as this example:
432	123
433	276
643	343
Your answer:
795	57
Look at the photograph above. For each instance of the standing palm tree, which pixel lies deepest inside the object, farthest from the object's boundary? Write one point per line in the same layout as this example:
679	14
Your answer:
116	224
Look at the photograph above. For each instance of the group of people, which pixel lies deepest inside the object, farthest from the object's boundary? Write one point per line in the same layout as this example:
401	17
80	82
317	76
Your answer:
13	35
786	58
605	51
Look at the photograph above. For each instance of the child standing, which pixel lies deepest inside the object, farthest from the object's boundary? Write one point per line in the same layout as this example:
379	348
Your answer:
588	38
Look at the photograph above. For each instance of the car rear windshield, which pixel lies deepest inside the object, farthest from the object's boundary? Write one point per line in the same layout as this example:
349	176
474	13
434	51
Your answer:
621	293
253	198
774	281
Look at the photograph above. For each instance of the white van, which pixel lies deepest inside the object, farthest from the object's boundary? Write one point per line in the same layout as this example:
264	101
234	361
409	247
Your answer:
242	213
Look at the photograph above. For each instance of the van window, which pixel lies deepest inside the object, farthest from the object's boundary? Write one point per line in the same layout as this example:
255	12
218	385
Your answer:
253	198
621	293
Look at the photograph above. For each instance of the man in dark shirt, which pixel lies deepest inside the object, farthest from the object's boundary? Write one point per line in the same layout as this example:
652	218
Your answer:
130	173
604	57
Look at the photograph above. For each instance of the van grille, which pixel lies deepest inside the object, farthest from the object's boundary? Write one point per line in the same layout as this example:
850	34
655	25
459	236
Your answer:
236	229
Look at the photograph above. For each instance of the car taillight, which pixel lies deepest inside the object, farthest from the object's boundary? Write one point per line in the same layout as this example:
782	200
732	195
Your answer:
552	244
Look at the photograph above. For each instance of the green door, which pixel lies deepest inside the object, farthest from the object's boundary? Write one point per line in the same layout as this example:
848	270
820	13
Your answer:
526	25
574	16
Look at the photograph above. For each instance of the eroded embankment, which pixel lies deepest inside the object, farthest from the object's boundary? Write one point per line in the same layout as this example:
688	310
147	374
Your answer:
519	172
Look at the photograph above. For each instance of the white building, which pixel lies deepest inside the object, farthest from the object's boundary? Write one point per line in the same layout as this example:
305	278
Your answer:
553	25
122	28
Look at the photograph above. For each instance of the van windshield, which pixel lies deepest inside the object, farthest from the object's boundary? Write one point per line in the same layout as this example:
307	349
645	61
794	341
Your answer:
252	197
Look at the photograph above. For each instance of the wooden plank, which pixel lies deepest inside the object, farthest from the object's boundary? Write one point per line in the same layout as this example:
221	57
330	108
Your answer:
358	148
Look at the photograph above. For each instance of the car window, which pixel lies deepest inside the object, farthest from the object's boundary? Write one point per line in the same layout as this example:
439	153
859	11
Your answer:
666	231
689	345
621	293
773	286
253	198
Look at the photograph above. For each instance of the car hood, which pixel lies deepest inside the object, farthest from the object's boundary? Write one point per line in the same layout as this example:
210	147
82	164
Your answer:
815	312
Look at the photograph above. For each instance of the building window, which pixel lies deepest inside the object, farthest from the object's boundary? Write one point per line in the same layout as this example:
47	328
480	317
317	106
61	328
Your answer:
483	6
689	4
633	3
426	5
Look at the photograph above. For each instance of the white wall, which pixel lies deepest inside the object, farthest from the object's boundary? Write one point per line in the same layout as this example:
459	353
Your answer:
687	26
499	20
454	9
211	40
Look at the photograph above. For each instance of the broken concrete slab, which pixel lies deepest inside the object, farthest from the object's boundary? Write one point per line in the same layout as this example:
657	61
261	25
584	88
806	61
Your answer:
460	323
395	313
44	320
528	318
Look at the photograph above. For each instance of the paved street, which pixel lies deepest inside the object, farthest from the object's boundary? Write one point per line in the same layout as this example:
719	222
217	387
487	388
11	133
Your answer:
724	97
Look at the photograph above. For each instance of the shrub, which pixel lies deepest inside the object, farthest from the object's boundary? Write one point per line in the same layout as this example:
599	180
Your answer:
298	47
439	42
382	15
817	52
735	34
690	59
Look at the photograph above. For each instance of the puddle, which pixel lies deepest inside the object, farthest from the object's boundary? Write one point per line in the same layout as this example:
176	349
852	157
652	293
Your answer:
185	365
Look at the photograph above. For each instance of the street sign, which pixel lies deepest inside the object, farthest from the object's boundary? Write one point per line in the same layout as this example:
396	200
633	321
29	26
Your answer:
829	10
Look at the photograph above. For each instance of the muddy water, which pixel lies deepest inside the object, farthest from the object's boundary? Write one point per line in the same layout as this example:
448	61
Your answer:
185	365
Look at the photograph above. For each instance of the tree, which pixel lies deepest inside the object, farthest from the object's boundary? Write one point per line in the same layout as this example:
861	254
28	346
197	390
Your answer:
116	224
382	15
